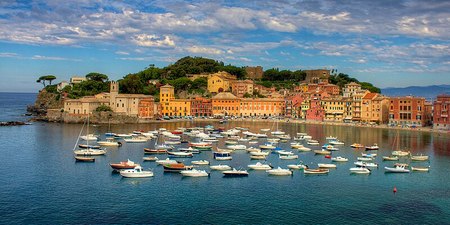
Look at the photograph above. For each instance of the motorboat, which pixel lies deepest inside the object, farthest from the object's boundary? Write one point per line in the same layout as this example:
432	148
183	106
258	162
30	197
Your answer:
222	156
336	142
109	142
84	159
150	158
237	147
154	151
258	157
190	150
372	147
419	158
89	146
279	172
220	167
89	137
339	159
253	149
166	161
420	169
136	172
330	147
369	155
302	148
169	142
265	129
390	158
302	136
284	137
326	165
398	168
299	166
277	132
288	157
194	173
123	135
316	171
273	140
267	146
401	153
260	166
312	142
235	173
357	145
89	152
200	162
228	142
135	139
322	152
180	154
260	153
243	140
366	164
199	144
283	152
123	165
364	158
163	146
359	170
176	167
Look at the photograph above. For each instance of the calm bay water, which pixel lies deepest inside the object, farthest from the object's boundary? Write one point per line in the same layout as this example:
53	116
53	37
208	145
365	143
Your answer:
42	184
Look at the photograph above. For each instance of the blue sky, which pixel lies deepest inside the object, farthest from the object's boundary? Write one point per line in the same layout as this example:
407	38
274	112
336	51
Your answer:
387	43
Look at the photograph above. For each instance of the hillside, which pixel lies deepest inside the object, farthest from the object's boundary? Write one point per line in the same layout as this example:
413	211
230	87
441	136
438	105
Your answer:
429	92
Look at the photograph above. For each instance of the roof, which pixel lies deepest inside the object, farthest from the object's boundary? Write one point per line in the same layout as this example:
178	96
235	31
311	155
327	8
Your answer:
167	86
224	95
370	95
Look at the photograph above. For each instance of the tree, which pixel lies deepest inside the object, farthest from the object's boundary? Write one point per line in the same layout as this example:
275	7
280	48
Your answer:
131	84
97	77
247	95
103	108
48	78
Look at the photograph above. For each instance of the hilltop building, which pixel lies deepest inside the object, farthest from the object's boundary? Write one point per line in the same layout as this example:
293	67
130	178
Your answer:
77	80
220	82
440	116
254	72
242	87
315	76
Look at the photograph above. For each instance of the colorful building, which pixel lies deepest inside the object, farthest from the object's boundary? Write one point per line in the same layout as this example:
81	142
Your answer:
241	87
314	76
374	108
171	106
351	89
261	107
336	109
201	107
315	110
220	82
441	119
225	104
254	72
408	111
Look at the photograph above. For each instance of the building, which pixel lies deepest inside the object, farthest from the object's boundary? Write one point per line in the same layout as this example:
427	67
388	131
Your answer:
261	107
201	107
357	104
127	104
61	85
315	110
331	89
336	109
255	72
350	89
440	115
85	105
302	88
408	111
171	106
374	108
225	104
77	80
263	90
241	87
220	82
315	76
146	108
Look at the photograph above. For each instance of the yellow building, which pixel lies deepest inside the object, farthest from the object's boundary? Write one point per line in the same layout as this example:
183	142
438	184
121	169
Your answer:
374	108
171	106
83	106
357	104
225	104
220	82
302	88
261	107
336	108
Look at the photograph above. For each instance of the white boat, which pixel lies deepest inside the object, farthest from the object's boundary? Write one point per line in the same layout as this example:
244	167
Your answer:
369	155
277	132
273	140
419	158
339	159
135	139
303	136
123	135
265	129
253	149
331	138
231	142
260	166
180	154
258	157
359	170
172	142
90	152
235	173
390	158
288	157
150	158
200	162
316	171
322	152
312	142
326	165
299	166
220	167
221	156
89	137
284	152
109	142
194	173
366	164
372	147
243	140
336	142
398	168
364	159
166	161
267	146
137	172
260	153
330	147
420	169
237	147
279	172
401	153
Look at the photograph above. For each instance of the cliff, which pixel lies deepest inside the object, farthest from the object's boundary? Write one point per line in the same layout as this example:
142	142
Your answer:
45	101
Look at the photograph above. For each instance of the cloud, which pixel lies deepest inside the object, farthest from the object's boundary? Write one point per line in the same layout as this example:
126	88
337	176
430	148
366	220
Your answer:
151	40
41	57
204	50
8	55
122	53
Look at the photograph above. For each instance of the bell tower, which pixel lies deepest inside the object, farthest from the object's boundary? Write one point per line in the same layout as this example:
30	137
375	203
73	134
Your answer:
114	87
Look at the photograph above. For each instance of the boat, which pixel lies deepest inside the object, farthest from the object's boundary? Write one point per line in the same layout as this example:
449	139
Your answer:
322	152
398	168
301	148
401	153
357	145
265	129
331	138
302	136
326	165
267	146
260	166
136	172
235	173
237	147
194	173
89	137
200	162
390	158
166	161
220	167
330	147
316	171
364	158
372	147
123	165
87	151
84	159
366	164
253	149
89	146
109	142
258	157
260	153
150	158
176	167
336	142
169	142
222	156
154	151
283	152
135	139
359	170
339	159
370	155
279	172
228	142
189	149
180	154
288	157
163	146
419	157
312	142
123	135
299	166
420	169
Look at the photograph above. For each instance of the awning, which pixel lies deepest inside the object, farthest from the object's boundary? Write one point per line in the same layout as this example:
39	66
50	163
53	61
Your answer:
348	118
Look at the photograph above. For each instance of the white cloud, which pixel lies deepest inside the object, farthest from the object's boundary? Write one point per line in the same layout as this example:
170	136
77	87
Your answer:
41	57
204	50
8	55
151	40
122	53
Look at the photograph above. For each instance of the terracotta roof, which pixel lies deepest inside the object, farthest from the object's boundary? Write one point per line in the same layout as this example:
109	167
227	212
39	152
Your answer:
224	95
167	85
370	95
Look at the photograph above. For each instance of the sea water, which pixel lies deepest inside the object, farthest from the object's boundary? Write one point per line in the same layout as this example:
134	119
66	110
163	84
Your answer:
42	184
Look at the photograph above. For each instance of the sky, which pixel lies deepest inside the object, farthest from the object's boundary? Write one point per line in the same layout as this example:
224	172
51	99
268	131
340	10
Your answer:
388	43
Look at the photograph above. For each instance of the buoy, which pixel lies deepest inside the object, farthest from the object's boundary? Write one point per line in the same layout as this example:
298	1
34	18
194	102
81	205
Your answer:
395	190
328	156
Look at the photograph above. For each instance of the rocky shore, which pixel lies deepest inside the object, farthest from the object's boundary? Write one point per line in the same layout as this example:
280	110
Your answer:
13	123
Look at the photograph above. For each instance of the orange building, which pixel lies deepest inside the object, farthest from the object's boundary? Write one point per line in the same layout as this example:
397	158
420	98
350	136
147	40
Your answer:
261	107
374	108
201	107
240	87
225	104
146	108
408	111
440	115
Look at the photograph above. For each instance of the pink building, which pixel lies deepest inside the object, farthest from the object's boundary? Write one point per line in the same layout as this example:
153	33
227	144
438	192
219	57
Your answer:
440	114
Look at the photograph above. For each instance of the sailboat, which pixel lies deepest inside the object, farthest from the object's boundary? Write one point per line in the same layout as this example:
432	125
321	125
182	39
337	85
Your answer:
86	151
277	131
